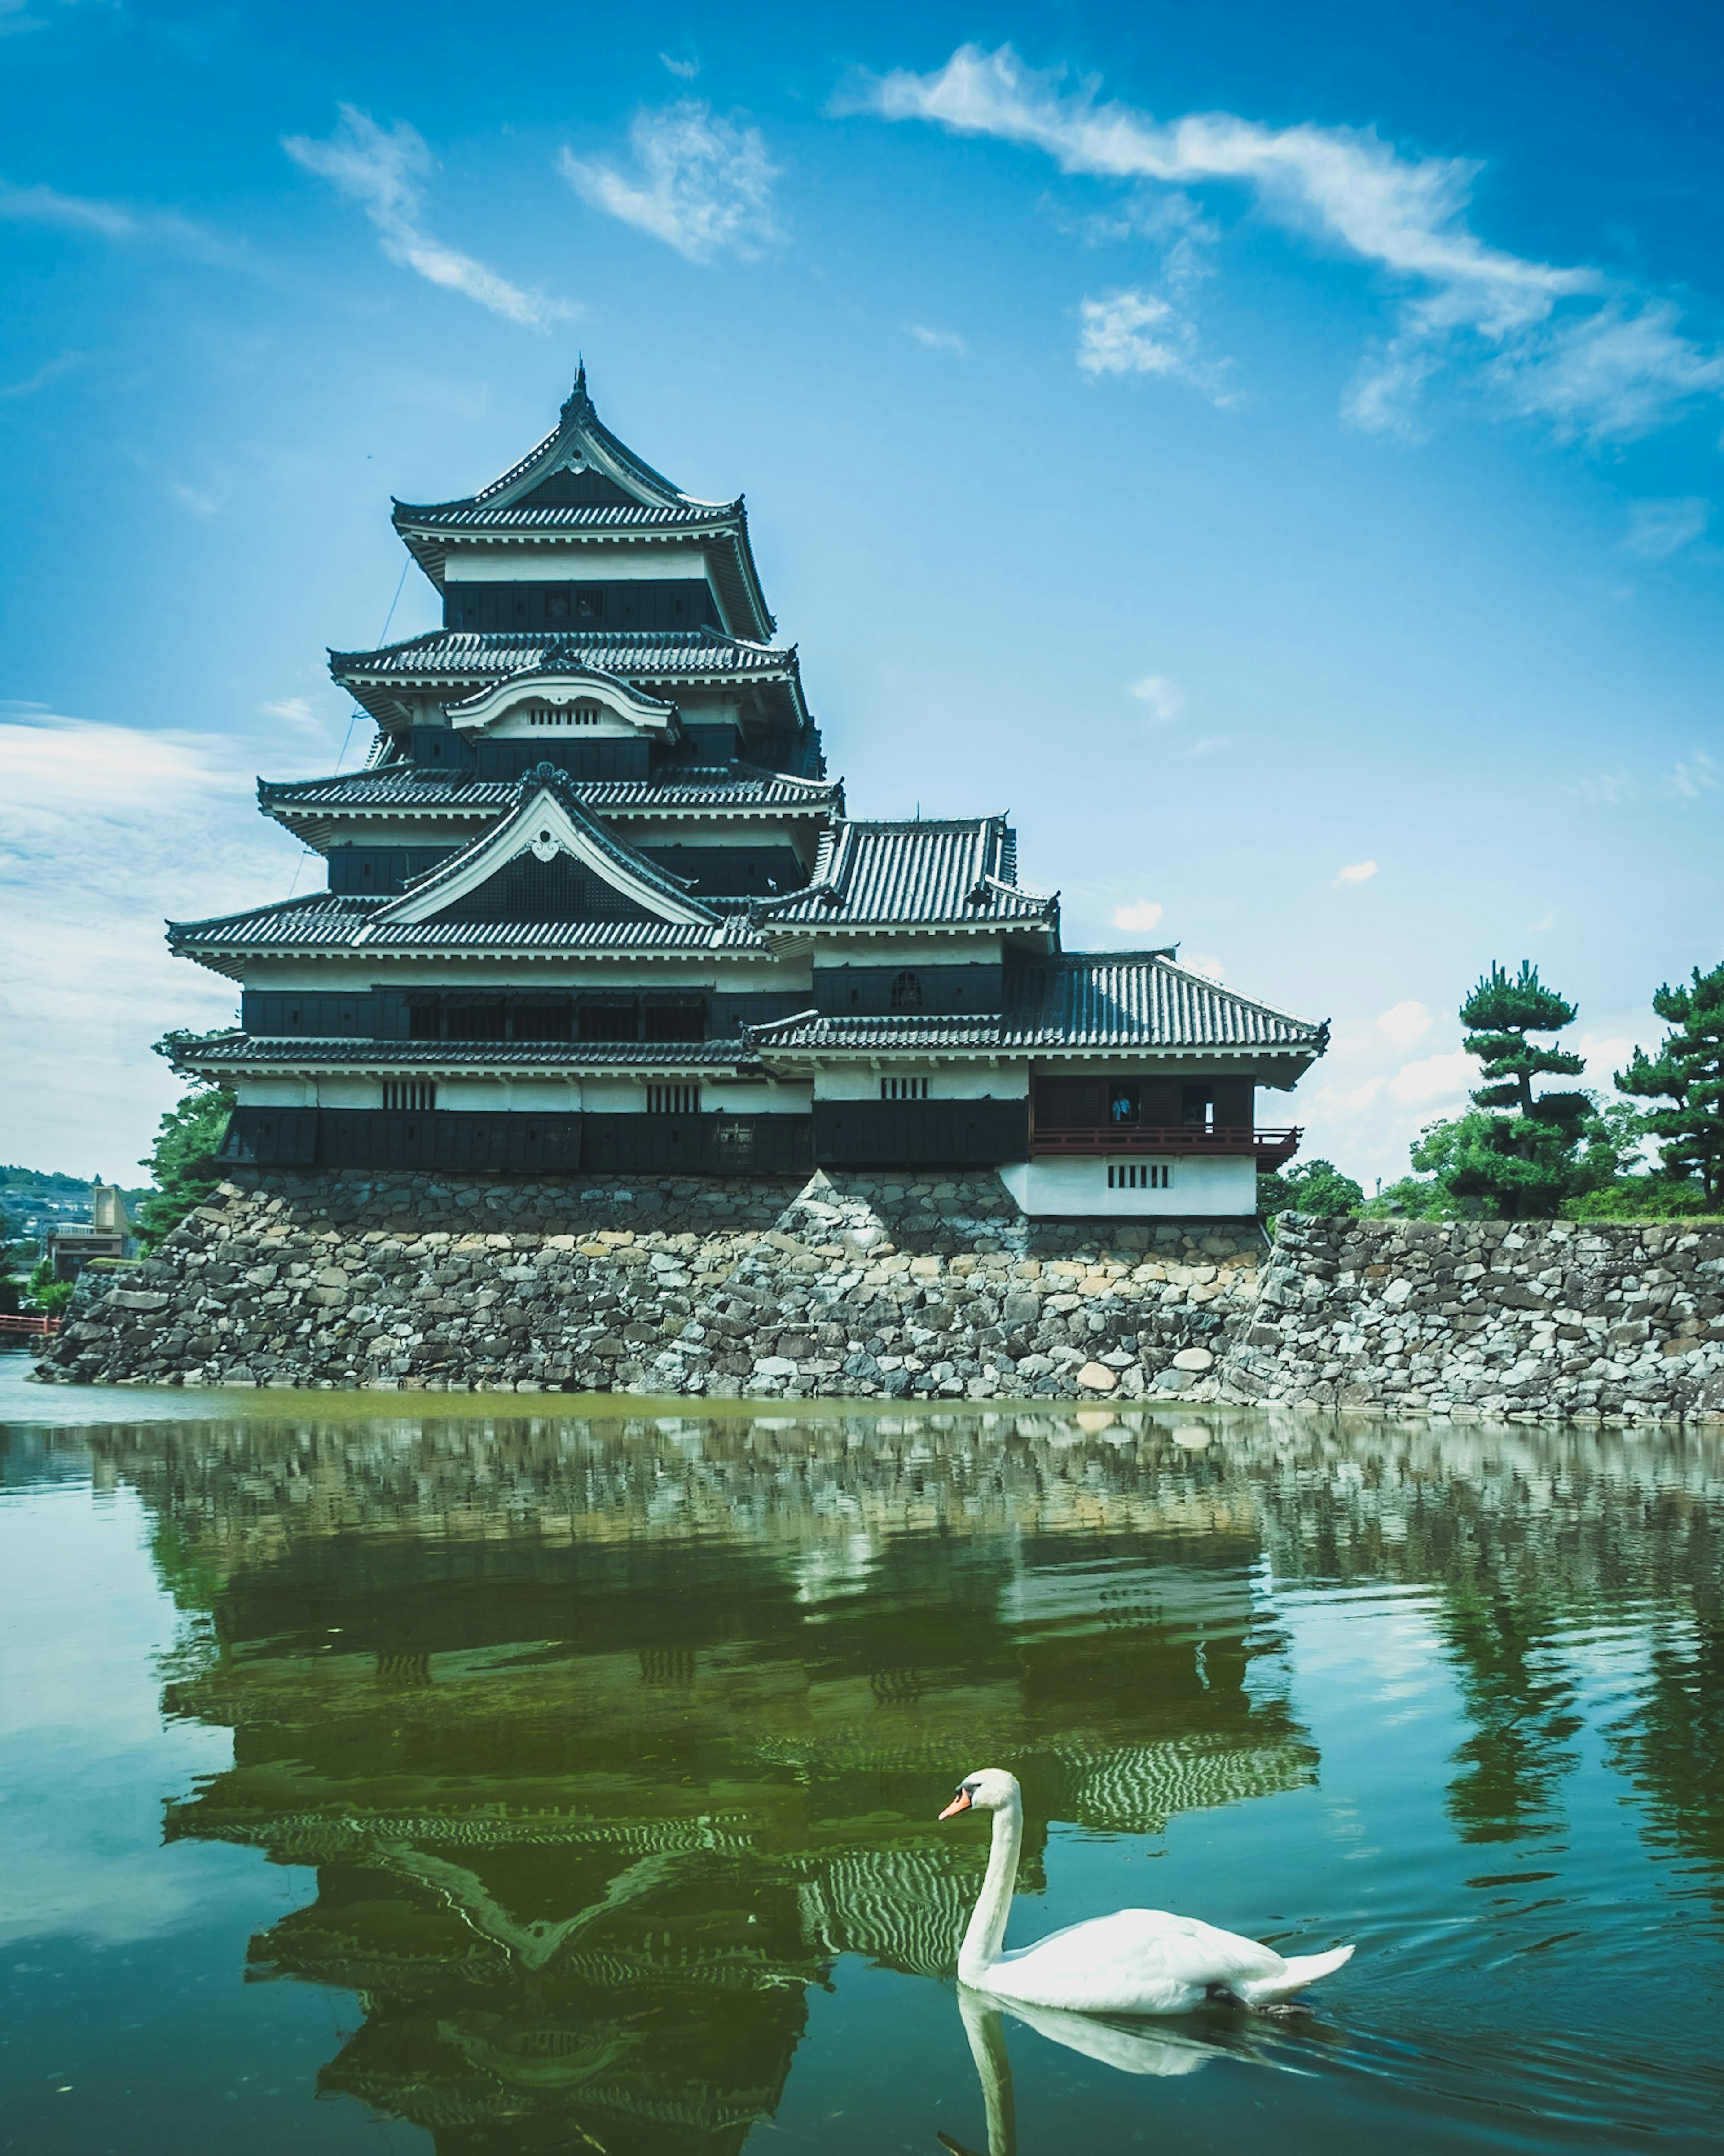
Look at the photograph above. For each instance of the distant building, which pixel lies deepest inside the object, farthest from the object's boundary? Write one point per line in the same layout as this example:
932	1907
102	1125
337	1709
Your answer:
594	906
108	1234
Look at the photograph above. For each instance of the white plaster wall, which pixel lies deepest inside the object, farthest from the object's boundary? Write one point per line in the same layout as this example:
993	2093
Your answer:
977	950
525	1095
614	1096
583	565
757	1099
276	1092
945	1082
1223	1187
516	724
346	1092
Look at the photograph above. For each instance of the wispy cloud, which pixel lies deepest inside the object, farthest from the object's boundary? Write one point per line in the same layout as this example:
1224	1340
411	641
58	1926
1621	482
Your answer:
18	19
196	500
1694	776
1659	528
685	71
1164	699
1602	789
50	371
936	340
702	183
102	829
1138	332
1357	872
1433	1079
293	711
1208	744
1206	964
1565	344
381	169
123	223
1138	920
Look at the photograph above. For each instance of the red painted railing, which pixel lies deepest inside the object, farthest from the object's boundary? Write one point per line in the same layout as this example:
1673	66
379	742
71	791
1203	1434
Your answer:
1270	1148
38	1327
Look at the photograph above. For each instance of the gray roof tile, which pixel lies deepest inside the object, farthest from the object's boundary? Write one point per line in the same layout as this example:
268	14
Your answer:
239	1050
956	870
1082	1000
675	791
658	655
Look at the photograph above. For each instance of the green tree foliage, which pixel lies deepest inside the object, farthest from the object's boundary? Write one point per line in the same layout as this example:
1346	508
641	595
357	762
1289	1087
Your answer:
12	1256
1314	1186
1519	1155
182	1161
47	1294
1688	1074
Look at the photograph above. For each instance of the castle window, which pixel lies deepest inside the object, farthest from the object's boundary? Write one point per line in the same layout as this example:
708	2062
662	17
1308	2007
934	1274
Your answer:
674	1022
547	1021
557	606
589	605
475	1021
906	992
1141	1175
673	1100
903	1088
614	1021
1122	1104
563	715
417	1096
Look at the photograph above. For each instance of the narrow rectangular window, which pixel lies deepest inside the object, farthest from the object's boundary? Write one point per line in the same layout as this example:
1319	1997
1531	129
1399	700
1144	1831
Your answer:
903	1088
1140	1175
416	1095
673	1100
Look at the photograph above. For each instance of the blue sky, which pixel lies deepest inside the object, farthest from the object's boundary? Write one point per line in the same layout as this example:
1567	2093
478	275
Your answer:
1275	452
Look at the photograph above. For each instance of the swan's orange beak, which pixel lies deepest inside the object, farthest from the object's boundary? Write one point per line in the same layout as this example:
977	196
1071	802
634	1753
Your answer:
960	1802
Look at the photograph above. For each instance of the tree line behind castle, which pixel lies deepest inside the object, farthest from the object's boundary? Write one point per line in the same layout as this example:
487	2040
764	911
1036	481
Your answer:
1522	1154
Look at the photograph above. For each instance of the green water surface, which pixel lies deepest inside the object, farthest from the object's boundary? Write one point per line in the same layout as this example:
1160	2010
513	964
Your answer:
392	1775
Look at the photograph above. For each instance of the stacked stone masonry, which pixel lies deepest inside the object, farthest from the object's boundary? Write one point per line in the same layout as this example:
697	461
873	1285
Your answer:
1545	1320
843	1287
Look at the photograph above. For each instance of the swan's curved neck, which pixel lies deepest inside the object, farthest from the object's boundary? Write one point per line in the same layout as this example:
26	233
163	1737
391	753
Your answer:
987	1932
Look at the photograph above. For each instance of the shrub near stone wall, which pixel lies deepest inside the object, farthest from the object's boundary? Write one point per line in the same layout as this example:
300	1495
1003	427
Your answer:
337	1284
1555	1319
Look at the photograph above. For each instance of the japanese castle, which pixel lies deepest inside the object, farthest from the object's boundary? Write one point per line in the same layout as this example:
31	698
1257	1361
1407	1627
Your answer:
595	906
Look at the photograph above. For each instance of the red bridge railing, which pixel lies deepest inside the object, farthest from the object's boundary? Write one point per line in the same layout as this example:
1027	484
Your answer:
1270	1148
37	1328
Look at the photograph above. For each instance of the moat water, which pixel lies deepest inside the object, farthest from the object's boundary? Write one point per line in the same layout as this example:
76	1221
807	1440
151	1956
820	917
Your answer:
391	1773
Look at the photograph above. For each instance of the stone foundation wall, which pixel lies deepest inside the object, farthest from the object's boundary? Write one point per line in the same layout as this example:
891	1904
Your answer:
1545	1320
844	1286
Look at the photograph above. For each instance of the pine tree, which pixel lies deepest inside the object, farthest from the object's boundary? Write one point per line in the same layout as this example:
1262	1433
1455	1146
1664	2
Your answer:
1688	1071
1523	1161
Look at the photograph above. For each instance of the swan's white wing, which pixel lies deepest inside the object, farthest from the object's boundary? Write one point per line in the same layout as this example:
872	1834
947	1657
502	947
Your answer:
1142	1961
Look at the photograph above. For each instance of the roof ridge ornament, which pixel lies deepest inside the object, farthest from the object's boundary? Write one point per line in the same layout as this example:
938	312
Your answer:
577	407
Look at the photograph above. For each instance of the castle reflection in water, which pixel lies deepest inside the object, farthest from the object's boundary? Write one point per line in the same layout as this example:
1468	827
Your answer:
605	1737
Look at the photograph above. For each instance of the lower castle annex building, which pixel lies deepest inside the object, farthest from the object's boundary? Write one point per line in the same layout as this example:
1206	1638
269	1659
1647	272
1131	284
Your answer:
594	906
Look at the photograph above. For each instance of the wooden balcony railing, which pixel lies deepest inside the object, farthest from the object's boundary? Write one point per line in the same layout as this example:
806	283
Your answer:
1270	1148
30	1326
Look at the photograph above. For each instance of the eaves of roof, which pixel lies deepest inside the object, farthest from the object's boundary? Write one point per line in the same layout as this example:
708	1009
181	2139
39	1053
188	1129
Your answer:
241	1052
952	873
688	791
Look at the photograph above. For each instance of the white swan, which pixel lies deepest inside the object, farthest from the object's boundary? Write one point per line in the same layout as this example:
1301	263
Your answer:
1136	1961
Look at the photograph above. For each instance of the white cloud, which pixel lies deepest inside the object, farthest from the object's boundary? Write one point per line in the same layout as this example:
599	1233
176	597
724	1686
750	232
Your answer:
120	222
195	499
1357	872
1138	332
1565	344
295	710
1206	964
685	70
703	185
1604	790
49	371
1140	919
1165	699
937	339
382	170
1404	1022
1696	775
102	829
1207	744
1658	528
1433	1081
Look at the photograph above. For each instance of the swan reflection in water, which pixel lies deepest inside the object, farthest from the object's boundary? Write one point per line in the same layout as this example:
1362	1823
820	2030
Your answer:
1129	2048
